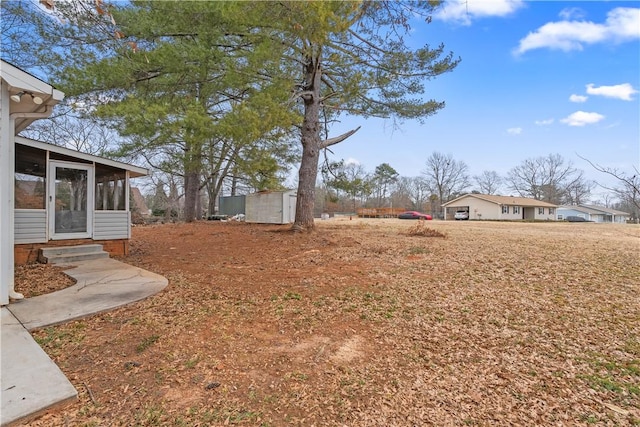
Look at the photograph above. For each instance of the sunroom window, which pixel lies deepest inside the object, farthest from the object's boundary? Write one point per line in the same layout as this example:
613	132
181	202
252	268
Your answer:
30	178
110	189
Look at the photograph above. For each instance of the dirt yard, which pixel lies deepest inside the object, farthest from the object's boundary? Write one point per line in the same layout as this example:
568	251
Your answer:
363	324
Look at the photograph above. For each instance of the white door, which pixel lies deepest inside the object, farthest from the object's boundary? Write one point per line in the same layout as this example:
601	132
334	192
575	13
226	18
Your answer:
70	200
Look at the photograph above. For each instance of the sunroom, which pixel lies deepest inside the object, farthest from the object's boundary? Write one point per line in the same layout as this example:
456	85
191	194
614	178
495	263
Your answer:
51	195
64	197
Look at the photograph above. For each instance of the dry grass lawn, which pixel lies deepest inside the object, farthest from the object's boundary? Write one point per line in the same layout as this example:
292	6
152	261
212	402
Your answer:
364	323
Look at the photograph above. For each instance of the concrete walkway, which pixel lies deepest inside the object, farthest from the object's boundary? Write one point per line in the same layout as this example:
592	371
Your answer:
30	382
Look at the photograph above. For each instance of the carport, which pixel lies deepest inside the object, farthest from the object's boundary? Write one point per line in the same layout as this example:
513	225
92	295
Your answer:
450	211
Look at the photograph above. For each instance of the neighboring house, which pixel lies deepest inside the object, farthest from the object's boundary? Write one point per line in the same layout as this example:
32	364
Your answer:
593	213
483	206
139	204
51	195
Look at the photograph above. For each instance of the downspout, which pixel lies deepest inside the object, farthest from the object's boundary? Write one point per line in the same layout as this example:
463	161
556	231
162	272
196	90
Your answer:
12	125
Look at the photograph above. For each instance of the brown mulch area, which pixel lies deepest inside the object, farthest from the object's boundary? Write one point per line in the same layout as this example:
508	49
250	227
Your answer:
32	280
366	323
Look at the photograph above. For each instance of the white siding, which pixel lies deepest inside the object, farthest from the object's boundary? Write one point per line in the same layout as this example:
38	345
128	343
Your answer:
30	225
546	215
481	209
484	209
111	225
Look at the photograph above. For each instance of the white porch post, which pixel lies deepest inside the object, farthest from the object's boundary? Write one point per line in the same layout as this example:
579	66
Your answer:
7	166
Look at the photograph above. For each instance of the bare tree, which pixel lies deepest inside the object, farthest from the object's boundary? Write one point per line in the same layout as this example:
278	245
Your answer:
488	182
413	190
577	192
628	188
69	130
606	200
547	178
446	176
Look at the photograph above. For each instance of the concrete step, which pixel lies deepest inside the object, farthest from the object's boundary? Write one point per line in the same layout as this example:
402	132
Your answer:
70	254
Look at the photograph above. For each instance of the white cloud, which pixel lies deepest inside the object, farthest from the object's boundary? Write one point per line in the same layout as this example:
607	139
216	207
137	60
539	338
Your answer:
581	118
622	91
464	11
571	13
514	131
351	161
622	24
544	122
578	98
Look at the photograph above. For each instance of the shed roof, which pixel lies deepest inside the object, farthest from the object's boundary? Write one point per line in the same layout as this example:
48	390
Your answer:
504	200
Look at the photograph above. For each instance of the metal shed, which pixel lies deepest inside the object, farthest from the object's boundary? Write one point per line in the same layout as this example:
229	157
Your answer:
271	207
231	205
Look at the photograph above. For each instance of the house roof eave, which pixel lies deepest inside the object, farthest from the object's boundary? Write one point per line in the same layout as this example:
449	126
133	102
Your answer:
134	171
16	81
504	200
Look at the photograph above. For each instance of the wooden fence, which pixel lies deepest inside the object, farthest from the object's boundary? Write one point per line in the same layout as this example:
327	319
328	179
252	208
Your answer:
379	212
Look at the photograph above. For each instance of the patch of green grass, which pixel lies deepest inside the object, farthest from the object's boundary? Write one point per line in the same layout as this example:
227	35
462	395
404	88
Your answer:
243	416
418	250
189	364
603	383
229	416
150	416
589	419
292	296
146	343
55	337
632	346
299	376
618	376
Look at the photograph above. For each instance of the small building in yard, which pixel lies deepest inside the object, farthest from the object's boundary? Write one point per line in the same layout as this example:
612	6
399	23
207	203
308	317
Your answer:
509	208
271	207
593	213
232	205
52	195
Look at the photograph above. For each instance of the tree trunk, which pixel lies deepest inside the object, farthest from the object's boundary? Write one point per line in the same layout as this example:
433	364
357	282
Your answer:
211	192
192	168
308	172
234	183
191	187
199	203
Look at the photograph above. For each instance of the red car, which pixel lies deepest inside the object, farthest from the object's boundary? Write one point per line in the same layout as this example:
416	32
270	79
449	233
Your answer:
413	215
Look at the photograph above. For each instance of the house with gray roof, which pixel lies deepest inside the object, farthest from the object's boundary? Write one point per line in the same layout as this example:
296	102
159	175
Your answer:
593	213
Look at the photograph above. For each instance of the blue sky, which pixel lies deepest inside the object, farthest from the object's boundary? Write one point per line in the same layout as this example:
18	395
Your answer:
536	78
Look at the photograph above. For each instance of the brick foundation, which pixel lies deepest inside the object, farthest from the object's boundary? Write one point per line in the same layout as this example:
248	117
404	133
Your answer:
28	253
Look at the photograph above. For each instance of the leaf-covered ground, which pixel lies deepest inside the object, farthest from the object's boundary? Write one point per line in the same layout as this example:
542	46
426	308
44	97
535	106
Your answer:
366	323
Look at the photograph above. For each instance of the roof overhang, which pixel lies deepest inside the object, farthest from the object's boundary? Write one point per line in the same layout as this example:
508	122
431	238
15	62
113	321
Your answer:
503	200
18	81
134	171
